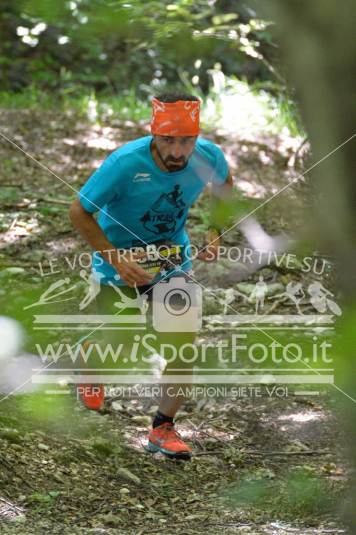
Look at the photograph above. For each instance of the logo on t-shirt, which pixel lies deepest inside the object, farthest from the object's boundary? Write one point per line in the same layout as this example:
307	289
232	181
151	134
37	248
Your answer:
142	177
163	214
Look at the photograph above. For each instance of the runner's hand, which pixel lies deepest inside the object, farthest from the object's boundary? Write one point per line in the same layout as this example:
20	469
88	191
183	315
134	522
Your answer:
210	252
130	271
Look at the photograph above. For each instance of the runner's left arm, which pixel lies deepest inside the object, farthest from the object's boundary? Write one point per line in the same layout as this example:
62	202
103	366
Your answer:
220	195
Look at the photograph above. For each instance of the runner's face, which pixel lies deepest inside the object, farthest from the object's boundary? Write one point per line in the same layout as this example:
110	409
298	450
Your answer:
175	151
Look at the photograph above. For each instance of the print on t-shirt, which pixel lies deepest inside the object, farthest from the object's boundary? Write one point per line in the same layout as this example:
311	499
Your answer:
163	214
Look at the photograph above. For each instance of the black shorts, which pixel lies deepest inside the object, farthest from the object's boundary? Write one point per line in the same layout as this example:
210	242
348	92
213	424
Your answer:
108	296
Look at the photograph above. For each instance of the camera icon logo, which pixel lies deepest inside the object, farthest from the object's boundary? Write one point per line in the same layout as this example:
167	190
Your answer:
177	305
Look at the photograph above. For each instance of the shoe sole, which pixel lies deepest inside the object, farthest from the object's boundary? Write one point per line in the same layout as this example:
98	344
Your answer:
184	455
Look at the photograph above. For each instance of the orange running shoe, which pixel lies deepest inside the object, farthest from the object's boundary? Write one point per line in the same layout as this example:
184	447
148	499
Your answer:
165	438
92	395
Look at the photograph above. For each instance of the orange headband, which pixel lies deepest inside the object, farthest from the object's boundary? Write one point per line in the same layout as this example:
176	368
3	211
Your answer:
179	118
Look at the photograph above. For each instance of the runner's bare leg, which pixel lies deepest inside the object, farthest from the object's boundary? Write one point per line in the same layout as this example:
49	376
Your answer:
172	397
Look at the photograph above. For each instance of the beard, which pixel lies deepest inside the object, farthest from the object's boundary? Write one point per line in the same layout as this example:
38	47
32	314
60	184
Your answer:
171	163
175	165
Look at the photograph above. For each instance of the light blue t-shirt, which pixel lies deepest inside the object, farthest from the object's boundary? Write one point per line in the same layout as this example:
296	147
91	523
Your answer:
139	204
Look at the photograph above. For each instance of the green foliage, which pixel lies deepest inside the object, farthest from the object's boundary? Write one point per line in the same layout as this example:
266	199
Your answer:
48	411
117	45
104	447
109	57
299	494
42	501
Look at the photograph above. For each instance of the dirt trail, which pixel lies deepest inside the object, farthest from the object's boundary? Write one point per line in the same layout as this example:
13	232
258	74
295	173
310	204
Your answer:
66	470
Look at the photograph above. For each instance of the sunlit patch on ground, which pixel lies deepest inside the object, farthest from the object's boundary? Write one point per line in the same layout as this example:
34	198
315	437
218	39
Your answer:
20	228
302	417
9	510
62	246
251	189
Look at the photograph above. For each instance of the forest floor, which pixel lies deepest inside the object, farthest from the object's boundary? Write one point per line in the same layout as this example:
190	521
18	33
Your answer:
265	461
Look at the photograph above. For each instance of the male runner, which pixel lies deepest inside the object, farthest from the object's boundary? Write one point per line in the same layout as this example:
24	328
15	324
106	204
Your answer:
143	192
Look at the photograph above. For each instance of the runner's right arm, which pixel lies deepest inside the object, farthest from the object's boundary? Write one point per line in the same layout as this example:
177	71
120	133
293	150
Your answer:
130	272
